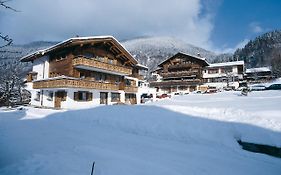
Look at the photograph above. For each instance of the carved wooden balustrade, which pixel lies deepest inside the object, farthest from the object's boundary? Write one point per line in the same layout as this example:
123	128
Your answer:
92	62
78	83
194	73
72	83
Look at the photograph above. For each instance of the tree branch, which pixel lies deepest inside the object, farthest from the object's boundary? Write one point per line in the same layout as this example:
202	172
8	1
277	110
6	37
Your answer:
7	40
2	3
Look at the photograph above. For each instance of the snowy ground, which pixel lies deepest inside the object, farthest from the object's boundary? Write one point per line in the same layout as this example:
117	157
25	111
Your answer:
191	134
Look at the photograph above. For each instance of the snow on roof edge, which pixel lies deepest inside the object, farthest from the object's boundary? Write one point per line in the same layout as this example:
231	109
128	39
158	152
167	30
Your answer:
43	51
231	63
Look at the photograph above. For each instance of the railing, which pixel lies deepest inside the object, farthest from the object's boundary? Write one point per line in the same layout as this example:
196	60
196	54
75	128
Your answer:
131	89
91	62
69	83
180	74
176	83
180	66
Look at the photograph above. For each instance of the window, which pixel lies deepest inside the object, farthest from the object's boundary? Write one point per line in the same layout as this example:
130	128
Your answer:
115	97
50	96
37	96
82	75
83	96
61	57
213	71
226	70
128	82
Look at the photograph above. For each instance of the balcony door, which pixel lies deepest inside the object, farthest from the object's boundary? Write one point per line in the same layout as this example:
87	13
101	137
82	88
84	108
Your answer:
103	97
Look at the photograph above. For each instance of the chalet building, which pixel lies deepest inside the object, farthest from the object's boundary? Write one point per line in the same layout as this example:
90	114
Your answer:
259	75
222	75
181	72
83	72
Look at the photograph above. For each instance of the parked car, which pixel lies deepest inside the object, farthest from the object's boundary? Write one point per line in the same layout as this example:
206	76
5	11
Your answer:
274	87
163	96
258	87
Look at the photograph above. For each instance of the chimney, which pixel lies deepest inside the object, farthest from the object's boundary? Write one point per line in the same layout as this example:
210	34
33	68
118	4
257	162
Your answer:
198	54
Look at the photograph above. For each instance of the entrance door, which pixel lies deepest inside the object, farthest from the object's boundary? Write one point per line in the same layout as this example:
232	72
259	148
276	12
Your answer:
103	97
59	96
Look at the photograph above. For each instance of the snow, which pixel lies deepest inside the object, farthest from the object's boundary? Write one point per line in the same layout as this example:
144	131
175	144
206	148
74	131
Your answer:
232	63
258	69
189	134
49	49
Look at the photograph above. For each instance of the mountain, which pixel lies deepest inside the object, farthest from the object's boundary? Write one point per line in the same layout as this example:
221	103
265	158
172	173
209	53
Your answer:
10	55
259	52
151	51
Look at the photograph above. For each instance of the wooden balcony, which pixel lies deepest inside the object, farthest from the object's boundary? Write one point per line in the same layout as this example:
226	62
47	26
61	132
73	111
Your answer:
72	83
180	66
191	82
88	63
87	84
194	73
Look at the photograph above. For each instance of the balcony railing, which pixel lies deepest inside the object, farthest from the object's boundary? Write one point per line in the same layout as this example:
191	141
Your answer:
91	62
180	66
194	73
78	83
176	83
71	83
131	89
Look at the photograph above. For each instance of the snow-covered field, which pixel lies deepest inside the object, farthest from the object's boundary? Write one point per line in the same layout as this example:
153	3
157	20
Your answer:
190	134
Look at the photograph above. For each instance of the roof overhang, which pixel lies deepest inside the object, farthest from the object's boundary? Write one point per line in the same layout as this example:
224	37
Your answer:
78	41
200	59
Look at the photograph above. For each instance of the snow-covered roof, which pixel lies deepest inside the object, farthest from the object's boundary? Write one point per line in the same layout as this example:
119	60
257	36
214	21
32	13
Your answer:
71	40
186	54
142	66
232	63
258	69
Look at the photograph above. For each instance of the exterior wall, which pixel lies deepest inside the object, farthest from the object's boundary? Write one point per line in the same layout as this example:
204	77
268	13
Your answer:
41	66
70	103
234	76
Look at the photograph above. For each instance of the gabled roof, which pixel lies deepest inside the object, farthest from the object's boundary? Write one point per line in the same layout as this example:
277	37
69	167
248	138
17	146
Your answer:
232	63
77	41
199	59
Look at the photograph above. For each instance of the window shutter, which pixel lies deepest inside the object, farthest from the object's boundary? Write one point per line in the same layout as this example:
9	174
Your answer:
76	96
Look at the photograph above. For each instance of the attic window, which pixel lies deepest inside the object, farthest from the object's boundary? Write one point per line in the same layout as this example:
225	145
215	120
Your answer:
61	57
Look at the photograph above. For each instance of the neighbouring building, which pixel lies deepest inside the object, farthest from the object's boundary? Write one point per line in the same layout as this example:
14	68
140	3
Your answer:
179	73
222	75
258	75
83	72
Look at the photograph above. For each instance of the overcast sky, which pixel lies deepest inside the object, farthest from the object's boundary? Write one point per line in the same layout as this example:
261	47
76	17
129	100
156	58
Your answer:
218	25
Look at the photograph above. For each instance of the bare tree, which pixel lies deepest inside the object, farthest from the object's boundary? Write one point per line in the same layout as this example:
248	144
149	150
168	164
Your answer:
5	38
11	86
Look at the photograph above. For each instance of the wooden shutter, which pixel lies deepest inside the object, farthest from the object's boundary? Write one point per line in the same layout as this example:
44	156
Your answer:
76	96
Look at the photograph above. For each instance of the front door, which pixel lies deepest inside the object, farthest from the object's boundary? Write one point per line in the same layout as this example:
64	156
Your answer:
103	97
57	100
59	96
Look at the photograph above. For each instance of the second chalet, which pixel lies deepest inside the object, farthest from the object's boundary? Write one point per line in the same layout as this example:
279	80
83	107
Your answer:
181	72
83	72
